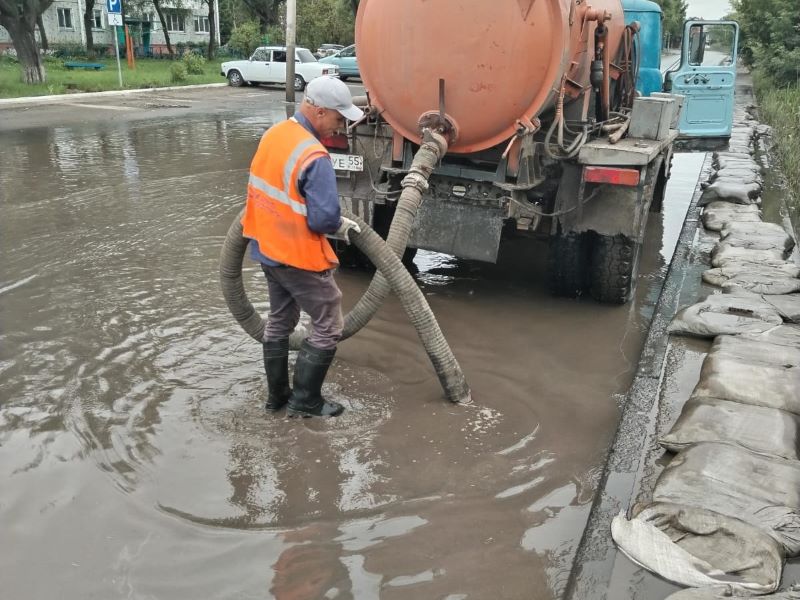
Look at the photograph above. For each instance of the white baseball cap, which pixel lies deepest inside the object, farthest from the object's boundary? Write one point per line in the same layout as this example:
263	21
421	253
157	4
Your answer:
331	92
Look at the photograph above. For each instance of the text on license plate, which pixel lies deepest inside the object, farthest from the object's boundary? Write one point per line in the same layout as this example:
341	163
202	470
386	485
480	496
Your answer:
347	162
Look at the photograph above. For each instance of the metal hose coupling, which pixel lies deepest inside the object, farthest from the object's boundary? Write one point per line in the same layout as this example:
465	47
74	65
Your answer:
416	179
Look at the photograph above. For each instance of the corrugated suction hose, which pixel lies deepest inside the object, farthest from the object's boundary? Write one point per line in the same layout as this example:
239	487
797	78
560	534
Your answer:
430	152
394	273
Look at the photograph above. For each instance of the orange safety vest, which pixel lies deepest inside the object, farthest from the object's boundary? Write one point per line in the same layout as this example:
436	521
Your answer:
275	213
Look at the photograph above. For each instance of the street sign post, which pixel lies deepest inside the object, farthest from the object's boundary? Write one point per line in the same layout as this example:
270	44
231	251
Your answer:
114	9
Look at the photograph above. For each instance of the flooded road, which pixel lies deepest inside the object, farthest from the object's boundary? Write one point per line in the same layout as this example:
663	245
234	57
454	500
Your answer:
137	459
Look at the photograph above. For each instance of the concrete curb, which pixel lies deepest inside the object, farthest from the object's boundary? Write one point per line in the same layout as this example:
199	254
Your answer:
85	95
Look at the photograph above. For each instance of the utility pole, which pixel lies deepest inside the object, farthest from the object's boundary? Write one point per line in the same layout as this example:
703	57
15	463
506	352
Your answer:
291	14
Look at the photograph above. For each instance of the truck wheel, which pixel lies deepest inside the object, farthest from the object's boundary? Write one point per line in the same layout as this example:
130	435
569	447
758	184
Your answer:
299	83
614	267
568	263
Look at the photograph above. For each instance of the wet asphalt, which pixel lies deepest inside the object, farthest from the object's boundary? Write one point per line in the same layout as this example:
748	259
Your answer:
137	458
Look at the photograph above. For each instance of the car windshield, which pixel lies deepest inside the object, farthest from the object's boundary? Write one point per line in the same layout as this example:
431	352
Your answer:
305	55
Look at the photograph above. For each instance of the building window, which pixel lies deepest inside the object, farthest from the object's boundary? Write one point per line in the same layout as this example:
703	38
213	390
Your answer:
64	18
201	24
97	19
175	22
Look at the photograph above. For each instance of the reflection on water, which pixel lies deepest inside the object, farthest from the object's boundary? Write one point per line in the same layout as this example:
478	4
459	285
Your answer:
132	437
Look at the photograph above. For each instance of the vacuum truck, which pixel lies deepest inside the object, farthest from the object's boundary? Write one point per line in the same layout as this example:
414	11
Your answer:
547	134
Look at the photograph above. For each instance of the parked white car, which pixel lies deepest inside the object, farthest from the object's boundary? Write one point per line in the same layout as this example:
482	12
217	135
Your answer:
268	65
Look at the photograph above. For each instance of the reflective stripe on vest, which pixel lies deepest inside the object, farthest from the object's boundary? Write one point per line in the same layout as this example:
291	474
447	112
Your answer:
276	212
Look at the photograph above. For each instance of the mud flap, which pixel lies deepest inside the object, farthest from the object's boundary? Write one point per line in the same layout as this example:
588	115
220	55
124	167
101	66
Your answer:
464	230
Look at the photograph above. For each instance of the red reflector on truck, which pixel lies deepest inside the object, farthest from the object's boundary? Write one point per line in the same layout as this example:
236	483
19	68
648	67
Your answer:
612	175
337	142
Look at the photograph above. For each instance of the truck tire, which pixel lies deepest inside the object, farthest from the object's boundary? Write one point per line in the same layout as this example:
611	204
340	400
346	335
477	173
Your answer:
614	267
568	264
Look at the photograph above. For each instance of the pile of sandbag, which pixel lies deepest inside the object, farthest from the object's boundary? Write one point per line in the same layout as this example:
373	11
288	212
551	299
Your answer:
751	255
725	511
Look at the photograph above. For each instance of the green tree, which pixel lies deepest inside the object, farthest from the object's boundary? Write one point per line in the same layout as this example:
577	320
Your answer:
674	16
19	18
770	37
324	21
245	38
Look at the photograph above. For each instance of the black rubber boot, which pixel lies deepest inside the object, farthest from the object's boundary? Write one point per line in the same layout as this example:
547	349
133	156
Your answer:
309	373
276	366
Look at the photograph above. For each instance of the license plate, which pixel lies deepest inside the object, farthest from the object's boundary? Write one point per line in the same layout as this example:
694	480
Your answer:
347	162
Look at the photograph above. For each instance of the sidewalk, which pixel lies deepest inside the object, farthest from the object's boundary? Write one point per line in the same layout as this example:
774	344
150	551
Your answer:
24	100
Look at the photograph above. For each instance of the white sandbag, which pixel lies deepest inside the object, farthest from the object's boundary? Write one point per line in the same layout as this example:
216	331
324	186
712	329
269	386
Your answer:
753	372
728	154
761	228
739	162
782	243
758	236
788	306
693	546
717	214
731	191
728	479
761	284
747	277
725	314
783	335
724	253
719	275
727	591
757	428
733	174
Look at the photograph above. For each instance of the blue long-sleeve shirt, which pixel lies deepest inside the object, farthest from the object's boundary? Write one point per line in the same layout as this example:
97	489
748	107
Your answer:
318	186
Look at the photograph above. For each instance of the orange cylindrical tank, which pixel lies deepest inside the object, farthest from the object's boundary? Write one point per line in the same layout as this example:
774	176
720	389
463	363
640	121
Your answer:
501	60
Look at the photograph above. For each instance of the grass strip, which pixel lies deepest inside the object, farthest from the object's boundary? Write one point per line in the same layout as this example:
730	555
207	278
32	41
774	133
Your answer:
780	108
149	73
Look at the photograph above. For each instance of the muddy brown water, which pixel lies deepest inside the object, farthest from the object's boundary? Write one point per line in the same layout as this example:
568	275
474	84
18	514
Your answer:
135	456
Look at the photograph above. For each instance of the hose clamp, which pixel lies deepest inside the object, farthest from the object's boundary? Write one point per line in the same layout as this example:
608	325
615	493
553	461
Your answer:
415	180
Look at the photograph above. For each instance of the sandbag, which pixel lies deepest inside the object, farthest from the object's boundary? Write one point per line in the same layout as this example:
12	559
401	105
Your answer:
719	275
728	591
753	372
757	428
758	236
740	162
748	277
724	478
732	174
725	314
745	155
788	306
761	228
723	253
783	335
731	191
717	214
693	546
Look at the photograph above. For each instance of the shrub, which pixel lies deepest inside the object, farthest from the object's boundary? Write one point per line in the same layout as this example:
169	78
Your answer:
68	50
178	71
245	38
194	63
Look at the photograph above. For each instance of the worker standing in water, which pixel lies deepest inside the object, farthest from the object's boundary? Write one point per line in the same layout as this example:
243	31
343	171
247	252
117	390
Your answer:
292	204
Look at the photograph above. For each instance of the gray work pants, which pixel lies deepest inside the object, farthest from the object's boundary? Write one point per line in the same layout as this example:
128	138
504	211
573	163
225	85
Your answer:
291	290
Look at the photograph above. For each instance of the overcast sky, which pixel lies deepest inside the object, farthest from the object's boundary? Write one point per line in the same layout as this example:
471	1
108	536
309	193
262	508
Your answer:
708	9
